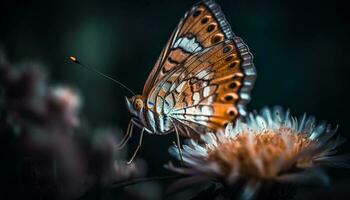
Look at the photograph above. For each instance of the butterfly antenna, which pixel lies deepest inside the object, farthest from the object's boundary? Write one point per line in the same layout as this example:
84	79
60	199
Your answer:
75	60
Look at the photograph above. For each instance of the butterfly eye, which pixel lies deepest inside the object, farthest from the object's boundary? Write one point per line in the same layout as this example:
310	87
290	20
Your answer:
138	104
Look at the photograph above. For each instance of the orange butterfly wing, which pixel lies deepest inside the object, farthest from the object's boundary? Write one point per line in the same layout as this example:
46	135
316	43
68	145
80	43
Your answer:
211	88
203	77
202	26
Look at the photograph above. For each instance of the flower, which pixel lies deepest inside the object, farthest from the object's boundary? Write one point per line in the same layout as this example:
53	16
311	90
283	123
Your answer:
57	157
66	100
270	146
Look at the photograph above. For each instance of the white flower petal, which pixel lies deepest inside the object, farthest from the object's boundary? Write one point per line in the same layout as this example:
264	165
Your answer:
271	142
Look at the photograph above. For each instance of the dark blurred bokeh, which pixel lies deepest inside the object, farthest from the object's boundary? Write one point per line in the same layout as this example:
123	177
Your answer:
300	48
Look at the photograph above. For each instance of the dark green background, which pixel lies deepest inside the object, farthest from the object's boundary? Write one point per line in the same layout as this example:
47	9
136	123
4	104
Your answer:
300	52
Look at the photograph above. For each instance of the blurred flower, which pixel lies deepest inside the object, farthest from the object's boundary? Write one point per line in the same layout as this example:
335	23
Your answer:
66	99
269	147
58	157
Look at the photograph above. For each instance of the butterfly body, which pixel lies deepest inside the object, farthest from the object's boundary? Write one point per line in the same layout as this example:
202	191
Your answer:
201	81
153	122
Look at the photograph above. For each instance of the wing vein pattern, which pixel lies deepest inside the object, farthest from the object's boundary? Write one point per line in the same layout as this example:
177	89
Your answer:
205	73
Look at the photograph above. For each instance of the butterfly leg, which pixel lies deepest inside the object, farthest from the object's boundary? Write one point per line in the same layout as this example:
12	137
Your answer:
178	144
127	136
137	148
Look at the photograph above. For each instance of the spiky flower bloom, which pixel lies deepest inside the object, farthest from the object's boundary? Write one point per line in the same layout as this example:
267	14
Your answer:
270	146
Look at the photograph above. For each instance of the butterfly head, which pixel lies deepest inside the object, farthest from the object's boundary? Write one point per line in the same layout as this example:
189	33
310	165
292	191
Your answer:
135	104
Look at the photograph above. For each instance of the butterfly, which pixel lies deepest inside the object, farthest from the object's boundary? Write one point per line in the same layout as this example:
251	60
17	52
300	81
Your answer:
200	82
